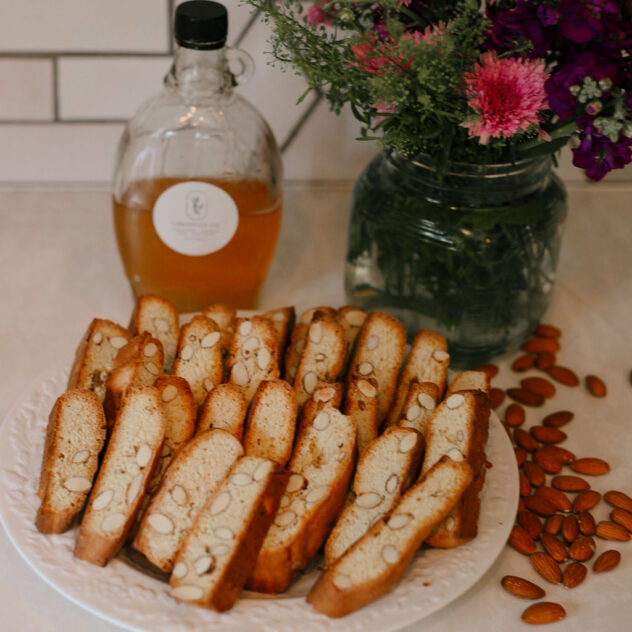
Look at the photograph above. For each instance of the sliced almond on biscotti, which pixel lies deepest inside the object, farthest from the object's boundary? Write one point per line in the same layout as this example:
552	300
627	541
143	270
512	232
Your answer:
321	468
351	318
325	394
130	458
459	428
419	405
225	407
221	548
470	381
74	439
196	472
272	422
373	565
224	317
158	317
283	321
199	357
95	355
384	471
322	357
361	403
253	355
427	362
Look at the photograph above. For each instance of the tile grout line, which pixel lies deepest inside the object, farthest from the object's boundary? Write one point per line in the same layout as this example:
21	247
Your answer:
55	90
244	31
293	133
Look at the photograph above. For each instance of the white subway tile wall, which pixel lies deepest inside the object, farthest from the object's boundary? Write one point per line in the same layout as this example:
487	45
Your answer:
72	71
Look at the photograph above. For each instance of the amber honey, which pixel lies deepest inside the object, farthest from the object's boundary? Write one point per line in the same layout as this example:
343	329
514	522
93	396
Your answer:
233	275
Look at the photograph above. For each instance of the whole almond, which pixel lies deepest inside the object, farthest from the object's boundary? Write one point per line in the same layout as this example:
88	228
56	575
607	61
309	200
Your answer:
523	396
545	360
574	574
618	499
596	386
555	497
514	415
549	462
607	561
490	370
534	473
570	528
559	418
520	540
586	523
524	485
525	440
583	548
543	612
563	375
539	386
539	505
569	483
554	547
496	397
547	567
622	517
538	345
591	466
547	434
586	500
530	523
521	587
521	455
562	454
612	531
521	506
547	331
553	524
522	363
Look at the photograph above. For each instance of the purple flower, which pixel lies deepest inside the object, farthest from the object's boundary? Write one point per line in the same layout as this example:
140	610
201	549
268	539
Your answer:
598	155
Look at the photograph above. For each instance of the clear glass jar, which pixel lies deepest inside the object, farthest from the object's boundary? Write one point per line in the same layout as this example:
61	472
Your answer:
197	189
472	254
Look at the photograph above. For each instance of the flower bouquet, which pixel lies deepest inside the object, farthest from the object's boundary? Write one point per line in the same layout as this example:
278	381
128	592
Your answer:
457	223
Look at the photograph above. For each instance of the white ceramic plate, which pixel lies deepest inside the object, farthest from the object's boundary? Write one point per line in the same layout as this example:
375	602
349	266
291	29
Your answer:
125	596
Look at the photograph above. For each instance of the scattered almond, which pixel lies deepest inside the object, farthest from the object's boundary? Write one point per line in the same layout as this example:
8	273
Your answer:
522	588
574	574
543	612
586	500
539	386
530	523
538	345
553	524
523	396
546	566
521	455
612	531
548	461
534	473
568	483
559	418
586	523
547	331
607	561
591	466
514	415
554	547
596	386
522	363
545	360
497	397
523	484
525	440
548	434
520	540
563	375
570	528
491	370
563	455
622	517
555	497
583	548
618	499
541	506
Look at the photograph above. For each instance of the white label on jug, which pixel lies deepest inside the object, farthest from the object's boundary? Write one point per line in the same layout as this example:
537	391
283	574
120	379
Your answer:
195	218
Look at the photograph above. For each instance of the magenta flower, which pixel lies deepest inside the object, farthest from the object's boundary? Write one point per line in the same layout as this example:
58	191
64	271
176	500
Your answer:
506	95
320	13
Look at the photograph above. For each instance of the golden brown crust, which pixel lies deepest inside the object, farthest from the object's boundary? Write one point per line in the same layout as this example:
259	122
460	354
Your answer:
224	317
225	407
470	380
361	404
283	320
421	400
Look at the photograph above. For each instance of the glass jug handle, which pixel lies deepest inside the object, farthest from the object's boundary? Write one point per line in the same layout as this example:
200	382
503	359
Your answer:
241	65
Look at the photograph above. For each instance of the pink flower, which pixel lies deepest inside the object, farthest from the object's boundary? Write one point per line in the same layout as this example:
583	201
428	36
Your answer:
430	35
378	57
404	3
506	94
383	107
320	13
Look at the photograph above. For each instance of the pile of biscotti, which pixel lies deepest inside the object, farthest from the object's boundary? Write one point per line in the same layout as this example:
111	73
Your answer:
229	451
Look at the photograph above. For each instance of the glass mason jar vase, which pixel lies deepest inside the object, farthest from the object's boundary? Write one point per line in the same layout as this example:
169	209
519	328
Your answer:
471	254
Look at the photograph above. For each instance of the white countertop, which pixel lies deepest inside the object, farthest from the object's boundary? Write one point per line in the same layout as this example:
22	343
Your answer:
60	268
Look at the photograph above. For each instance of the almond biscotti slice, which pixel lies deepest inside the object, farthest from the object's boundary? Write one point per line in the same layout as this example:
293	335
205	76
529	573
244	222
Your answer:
272	422
194	473
221	548
139	362
351	318
322	357
361	403
379	352
199	357
325	394
385	470
95	355
159	317
427	362
470	381
372	566
459	428
224	318
283	320
321	466
420	403
297	340
130	458
253	355
74	440
225	407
